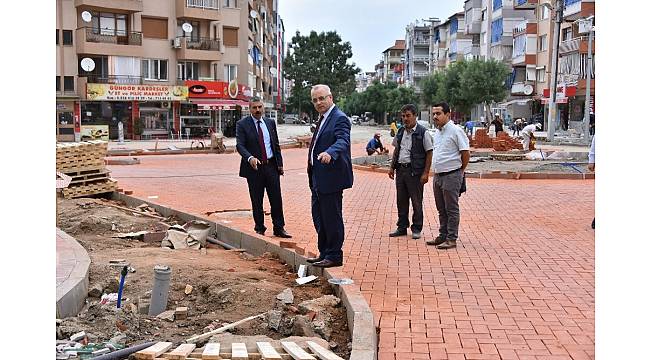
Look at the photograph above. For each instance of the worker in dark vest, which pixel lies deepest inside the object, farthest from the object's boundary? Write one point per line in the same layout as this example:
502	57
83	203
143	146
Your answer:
411	161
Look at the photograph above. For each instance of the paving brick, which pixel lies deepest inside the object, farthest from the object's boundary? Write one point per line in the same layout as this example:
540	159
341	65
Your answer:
502	290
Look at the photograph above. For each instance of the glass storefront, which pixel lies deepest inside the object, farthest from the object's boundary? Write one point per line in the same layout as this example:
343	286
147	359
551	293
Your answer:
195	122
156	118
106	113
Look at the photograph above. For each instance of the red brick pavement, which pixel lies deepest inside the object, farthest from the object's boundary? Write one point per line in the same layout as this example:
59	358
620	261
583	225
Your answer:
519	286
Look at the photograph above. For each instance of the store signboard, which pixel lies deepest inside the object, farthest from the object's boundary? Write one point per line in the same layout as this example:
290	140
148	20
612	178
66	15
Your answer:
136	92
94	132
217	90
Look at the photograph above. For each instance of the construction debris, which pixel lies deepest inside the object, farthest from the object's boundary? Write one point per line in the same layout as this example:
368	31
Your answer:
204	336
193	235
306	279
84	163
286	296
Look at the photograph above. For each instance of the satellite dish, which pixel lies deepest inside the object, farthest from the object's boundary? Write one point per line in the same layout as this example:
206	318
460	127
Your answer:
87	64
273	71
187	27
528	89
253	14
86	16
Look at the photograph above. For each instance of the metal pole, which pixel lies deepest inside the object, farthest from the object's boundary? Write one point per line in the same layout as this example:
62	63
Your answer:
585	121
552	105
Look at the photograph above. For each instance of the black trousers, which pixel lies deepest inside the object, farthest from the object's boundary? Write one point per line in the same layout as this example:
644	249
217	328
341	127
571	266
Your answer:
327	213
409	188
266	178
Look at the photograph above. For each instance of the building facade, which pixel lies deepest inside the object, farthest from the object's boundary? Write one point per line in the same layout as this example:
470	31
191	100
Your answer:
160	71
417	52
393	60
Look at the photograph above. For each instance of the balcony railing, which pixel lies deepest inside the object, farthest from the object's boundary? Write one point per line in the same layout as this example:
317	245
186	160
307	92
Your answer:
420	73
202	44
113	36
421	41
572	45
420	57
115	79
204	4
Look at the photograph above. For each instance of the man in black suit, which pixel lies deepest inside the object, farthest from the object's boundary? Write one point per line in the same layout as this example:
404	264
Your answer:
261	165
329	168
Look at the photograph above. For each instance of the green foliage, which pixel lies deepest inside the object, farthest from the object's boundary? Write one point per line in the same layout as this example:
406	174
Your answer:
466	83
319	58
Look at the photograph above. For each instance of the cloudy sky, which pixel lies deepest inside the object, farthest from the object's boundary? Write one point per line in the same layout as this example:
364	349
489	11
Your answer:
371	26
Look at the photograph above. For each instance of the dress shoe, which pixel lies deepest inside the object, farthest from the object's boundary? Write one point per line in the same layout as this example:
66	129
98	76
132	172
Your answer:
314	259
437	241
282	234
416	234
326	263
398	232
261	232
449	244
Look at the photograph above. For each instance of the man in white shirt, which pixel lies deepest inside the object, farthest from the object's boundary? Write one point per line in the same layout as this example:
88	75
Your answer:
527	133
450	158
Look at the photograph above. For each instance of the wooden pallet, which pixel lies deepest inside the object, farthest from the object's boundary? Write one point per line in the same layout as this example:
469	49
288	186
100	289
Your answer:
212	351
98	187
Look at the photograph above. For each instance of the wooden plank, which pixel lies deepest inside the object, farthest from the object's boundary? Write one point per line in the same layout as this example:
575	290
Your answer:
153	351
181	352
268	351
321	352
211	351
295	351
239	351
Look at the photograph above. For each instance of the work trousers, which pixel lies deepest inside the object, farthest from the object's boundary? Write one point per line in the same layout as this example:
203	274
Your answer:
446	191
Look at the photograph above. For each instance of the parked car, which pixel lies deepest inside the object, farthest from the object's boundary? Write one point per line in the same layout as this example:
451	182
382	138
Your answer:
293	119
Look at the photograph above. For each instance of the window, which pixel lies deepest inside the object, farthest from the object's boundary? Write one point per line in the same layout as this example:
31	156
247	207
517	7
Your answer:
541	74
483	13
544	13
230	37
57	36
154	69
497	30
154	28
497	4
188	70
194	35
109	24
542	43
230	3
567	34
58	83
229	72
68	83
67	37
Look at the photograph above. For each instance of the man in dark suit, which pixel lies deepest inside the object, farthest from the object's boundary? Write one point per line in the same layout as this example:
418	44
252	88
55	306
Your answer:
261	165
329	169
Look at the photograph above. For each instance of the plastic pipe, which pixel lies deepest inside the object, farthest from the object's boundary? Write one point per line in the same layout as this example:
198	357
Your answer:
125	271
160	291
124	353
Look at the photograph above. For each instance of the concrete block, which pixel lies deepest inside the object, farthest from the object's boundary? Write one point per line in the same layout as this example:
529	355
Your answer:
253	244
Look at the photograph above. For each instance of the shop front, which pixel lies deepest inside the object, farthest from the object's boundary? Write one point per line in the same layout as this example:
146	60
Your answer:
214	104
96	115
65	119
146	111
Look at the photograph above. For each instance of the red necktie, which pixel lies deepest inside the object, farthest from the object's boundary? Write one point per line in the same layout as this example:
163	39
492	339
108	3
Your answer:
260	139
313	138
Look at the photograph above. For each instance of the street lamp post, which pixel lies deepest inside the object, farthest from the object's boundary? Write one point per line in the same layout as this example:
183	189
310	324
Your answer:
585	121
552	105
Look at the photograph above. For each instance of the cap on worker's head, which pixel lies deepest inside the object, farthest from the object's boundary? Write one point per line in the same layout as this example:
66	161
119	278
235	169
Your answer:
539	126
377	134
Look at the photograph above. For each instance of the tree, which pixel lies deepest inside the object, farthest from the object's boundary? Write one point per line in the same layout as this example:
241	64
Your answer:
484	81
319	59
399	97
431	85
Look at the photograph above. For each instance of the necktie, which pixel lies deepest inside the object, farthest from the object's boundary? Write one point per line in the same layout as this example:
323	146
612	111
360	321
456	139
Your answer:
313	138
260	139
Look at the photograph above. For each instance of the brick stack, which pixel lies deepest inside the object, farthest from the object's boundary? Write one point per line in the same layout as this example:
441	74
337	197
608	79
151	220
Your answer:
503	141
508	142
481	140
84	163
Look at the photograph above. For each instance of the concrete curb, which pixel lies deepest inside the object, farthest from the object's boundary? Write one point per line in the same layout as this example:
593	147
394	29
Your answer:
229	150
71	293
360	317
501	174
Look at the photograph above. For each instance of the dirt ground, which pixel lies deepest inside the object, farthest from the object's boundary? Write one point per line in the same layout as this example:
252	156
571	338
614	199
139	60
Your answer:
548	166
227	285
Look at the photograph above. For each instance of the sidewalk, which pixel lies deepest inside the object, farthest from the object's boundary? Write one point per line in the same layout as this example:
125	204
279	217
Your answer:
519	286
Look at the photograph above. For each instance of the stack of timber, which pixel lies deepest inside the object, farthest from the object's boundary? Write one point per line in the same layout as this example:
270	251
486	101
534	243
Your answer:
84	163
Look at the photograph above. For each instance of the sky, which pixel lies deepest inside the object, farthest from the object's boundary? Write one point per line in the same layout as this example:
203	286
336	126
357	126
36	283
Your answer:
371	26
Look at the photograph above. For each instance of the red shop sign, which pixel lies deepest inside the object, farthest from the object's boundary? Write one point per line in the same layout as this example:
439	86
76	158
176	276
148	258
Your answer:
217	90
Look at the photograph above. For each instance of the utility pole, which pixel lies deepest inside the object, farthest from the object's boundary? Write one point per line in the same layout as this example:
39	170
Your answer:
552	105
585	121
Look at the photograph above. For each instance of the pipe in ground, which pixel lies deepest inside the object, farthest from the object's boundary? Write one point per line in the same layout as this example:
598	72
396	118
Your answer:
220	243
124	353
160	291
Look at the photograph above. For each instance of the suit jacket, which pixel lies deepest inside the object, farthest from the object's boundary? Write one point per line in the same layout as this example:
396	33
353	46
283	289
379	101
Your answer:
333	138
248	144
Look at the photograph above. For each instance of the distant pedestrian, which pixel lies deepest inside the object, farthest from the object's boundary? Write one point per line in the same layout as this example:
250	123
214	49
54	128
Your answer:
451	147
592	124
469	127
375	146
528	134
592	167
498	124
517	127
412	154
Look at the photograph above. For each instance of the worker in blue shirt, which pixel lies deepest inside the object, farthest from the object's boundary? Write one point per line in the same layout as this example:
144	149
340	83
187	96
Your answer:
375	147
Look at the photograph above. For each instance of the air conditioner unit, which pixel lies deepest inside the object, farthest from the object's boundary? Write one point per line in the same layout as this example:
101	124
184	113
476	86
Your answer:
176	43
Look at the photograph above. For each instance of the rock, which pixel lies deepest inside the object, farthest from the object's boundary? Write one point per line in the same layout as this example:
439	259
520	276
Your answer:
95	291
333	345
273	318
319	305
224	295
188	289
92	338
302	327
322	328
166	315
286	296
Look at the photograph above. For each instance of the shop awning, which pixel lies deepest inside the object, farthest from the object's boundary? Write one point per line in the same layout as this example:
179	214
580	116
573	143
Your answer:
217	104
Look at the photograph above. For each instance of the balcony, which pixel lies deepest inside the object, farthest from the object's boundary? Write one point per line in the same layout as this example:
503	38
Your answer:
420	58
525	4
523	88
420	42
198	9
198	49
576	9
472	20
130	6
525	27
579	44
107	41
114	79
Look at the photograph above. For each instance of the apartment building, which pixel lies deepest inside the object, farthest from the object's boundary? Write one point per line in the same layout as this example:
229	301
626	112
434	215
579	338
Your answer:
460	44
417	53
440	49
393	60
164	67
